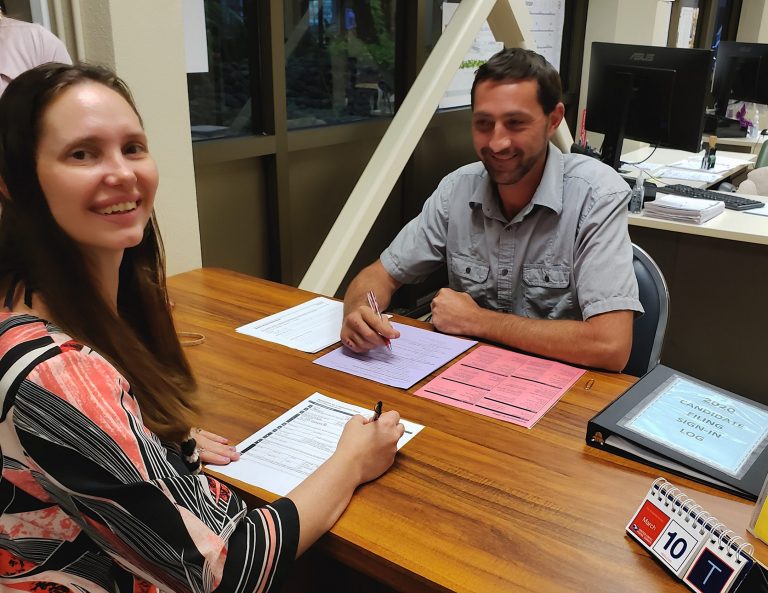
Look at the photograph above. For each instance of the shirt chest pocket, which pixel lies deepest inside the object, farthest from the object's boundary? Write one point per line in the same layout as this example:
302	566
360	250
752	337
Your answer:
547	291
469	275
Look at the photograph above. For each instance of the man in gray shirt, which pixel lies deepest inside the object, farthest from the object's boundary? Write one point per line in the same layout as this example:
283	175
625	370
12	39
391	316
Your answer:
536	241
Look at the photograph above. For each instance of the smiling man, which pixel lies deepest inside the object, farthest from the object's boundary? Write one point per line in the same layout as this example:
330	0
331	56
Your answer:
536	242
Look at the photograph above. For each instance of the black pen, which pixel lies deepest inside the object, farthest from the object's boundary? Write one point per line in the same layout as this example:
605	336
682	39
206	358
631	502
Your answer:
376	411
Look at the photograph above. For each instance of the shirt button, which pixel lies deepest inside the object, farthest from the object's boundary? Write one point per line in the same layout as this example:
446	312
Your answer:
504	272
468	270
546	277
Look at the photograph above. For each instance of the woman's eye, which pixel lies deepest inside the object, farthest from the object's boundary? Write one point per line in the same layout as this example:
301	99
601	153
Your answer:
135	149
79	155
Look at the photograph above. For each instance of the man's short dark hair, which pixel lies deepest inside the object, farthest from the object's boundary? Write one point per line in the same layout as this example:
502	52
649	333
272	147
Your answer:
516	63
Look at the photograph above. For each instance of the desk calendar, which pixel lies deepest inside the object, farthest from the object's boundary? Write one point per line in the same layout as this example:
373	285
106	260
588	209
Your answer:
692	544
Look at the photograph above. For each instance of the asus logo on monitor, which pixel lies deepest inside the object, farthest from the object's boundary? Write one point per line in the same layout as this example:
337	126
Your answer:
639	56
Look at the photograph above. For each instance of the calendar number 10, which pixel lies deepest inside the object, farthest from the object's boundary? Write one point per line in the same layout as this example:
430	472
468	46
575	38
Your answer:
675	546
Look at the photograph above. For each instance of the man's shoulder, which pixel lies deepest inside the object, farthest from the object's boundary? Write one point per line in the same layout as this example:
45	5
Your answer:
586	171
473	172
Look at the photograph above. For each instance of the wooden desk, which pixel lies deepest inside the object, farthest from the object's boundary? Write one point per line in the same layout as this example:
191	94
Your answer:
472	504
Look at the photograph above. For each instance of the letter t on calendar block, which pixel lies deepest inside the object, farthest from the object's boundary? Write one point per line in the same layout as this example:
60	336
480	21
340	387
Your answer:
709	573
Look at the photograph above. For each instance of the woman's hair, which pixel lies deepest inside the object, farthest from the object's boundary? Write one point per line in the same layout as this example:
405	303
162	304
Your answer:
140	340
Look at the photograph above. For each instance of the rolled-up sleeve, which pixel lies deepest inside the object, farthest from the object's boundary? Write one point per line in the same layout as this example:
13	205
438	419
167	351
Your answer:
419	248
605	277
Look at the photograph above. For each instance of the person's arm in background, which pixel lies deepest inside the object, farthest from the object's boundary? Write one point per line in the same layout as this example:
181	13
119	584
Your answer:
362	330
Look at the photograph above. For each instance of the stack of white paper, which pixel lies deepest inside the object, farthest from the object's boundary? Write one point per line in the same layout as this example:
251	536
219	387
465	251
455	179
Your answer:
693	210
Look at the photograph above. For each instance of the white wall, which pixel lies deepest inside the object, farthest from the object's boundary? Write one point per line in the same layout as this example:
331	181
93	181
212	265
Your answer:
143	40
753	23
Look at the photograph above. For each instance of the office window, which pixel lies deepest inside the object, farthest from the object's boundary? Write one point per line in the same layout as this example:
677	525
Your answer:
220	98
340	60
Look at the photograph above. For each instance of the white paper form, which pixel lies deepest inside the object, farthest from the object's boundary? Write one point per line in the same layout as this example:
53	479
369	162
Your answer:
414	355
687	174
308	327
722	164
763	211
281	455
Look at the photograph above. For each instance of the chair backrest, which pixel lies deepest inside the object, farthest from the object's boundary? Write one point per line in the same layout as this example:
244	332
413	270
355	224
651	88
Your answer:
649	328
762	156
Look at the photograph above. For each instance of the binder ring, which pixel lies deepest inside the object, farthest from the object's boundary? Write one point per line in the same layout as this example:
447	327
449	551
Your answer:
676	500
669	495
692	511
710	518
703	518
724	536
665	488
658	482
719	526
743	548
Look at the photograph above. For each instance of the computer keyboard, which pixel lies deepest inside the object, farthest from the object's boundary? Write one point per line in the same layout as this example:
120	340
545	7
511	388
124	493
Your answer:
732	202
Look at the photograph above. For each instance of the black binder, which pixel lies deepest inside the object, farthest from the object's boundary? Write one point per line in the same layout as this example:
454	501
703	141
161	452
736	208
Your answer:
604	432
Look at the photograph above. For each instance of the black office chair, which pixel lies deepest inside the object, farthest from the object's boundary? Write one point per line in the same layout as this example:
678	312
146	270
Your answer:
649	328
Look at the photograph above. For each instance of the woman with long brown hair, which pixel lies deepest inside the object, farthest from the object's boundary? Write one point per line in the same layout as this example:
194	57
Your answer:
95	392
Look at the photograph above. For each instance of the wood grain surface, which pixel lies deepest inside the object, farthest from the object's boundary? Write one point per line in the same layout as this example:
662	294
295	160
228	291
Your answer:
472	504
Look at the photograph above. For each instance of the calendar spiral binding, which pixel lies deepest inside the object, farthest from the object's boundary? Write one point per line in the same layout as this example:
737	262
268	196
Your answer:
690	511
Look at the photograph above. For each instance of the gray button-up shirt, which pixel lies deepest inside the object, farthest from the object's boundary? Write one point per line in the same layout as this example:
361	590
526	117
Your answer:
565	255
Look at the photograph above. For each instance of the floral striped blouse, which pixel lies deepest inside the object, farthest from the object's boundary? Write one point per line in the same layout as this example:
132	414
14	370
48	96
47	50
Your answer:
92	502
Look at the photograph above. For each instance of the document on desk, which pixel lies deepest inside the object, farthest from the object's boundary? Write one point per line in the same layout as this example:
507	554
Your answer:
686	174
308	327
414	355
722	164
281	455
759	211
507	385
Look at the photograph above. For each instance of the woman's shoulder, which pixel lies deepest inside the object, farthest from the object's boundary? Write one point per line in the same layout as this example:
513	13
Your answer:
44	353
20	328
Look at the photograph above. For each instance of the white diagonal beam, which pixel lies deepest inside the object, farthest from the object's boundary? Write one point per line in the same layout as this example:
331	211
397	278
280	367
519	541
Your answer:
509	20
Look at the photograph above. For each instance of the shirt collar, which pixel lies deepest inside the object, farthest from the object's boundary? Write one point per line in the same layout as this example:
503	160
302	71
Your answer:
549	193
550	190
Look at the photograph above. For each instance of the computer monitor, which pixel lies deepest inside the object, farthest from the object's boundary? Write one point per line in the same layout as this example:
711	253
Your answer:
652	94
741	74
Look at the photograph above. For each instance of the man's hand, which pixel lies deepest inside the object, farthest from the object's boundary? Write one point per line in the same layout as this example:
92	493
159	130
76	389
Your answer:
453	312
362	330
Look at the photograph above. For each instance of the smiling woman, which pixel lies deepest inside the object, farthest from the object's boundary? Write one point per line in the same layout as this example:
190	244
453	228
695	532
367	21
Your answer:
104	160
96	393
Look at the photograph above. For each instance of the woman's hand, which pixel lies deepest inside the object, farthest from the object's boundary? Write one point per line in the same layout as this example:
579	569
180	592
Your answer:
366	449
214	449
369	447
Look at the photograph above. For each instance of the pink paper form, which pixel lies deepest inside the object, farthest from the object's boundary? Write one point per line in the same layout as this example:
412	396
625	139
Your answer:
506	385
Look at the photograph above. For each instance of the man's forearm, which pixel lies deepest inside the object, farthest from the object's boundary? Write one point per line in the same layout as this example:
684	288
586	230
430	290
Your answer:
603	343
374	278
